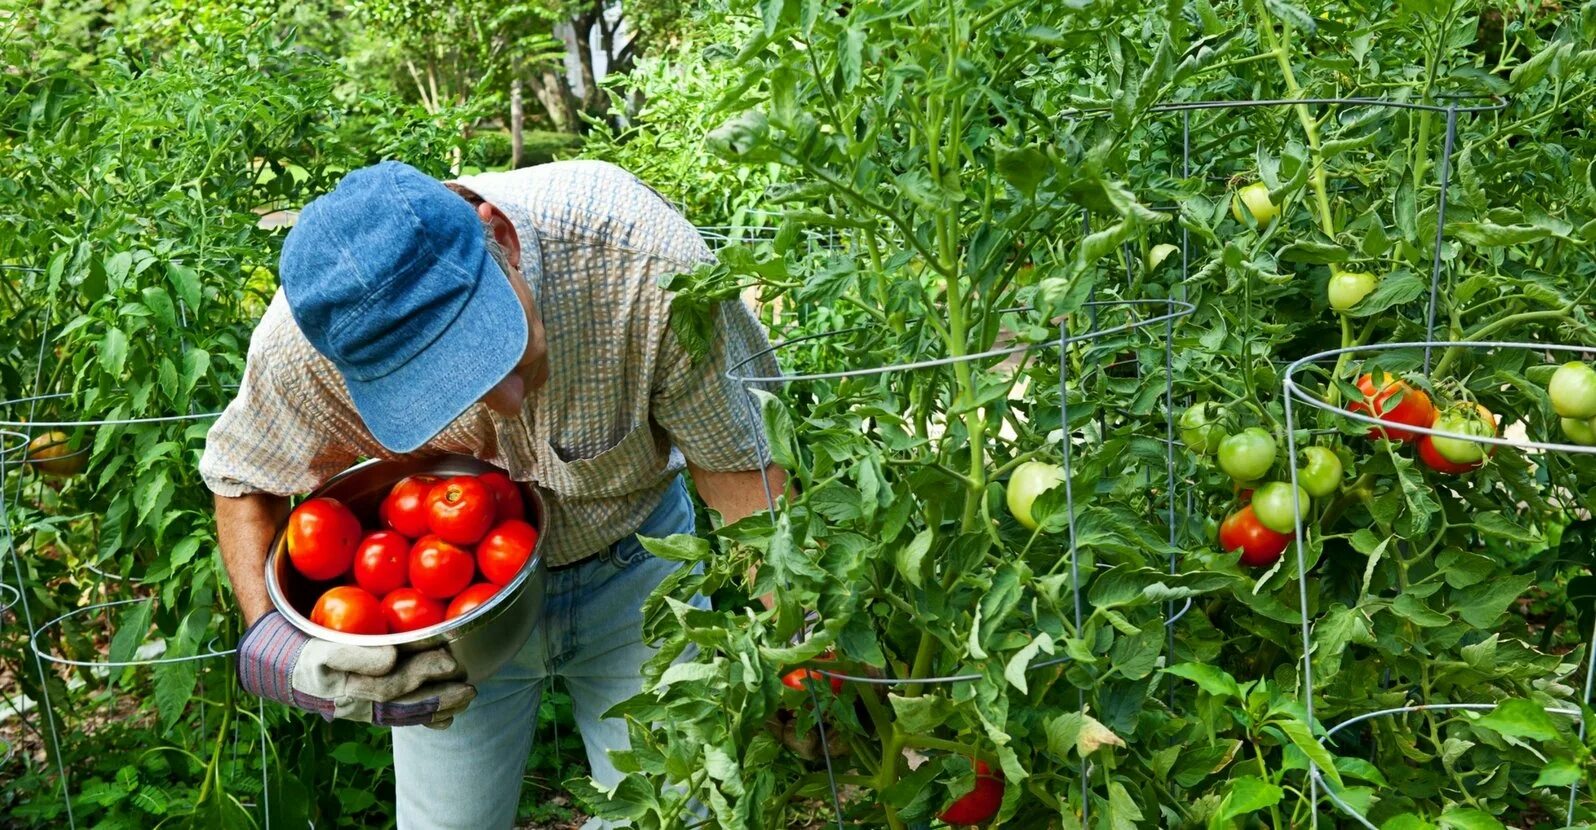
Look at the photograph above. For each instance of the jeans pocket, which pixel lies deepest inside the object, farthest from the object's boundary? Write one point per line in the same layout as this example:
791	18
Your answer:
628	552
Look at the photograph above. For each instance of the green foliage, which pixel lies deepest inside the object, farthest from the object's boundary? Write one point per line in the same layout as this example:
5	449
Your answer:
973	159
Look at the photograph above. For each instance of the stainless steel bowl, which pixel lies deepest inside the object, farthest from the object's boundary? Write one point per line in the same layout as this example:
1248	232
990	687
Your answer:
482	640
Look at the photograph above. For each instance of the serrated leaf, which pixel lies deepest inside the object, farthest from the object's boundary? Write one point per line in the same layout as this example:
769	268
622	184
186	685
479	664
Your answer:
910	559
1211	679
1394	289
113	351
1519	718
1014	670
1560	773
778	429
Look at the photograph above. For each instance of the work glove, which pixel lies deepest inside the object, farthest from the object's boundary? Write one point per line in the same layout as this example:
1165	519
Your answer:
371	684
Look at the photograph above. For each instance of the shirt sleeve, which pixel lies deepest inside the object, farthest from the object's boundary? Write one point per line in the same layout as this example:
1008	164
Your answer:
268	440
712	418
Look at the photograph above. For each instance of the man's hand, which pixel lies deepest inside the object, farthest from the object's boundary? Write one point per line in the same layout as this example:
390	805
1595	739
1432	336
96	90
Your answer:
372	684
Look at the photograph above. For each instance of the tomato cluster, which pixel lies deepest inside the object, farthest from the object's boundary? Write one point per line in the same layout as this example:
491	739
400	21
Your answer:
445	547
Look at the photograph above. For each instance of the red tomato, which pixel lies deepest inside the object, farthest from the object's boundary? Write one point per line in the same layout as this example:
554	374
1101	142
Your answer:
1414	408
405	508
506	497
322	537
350	610
505	549
1435	461
438	569
460	510
1259	546
407	609
470	598
979	805
797	678
382	562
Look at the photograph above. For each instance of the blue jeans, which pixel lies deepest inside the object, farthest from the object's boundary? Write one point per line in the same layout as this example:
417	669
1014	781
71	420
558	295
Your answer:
469	775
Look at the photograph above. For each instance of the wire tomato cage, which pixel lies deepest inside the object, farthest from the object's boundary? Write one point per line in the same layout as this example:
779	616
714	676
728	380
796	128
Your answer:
1171	310
16	434
1296	394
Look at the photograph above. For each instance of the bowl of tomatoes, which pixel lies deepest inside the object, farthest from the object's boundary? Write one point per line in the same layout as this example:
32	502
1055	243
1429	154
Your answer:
415	553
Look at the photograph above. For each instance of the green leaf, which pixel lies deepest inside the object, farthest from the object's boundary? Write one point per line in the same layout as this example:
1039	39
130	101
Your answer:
160	305
920	715
131	627
1407	821
1248	794
1413	609
678	547
1520	718
186	282
113	351
910	559
1487	235
1015	670
174	687
1394	289
1024	168
1559	773
778	429
1297	732
196	363
1211	679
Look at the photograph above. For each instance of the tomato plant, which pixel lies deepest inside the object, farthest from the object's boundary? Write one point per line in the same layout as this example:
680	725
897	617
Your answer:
1346	288
1468	421
980	804
1253	201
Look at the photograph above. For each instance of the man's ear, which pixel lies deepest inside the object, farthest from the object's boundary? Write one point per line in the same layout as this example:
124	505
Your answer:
503	232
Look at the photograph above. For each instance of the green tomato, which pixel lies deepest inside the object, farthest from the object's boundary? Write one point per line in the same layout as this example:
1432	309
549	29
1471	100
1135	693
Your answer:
1461	450
1573	390
1200	429
1256	197
1248	454
1346	289
1321	476
1582	432
1271	503
1030	480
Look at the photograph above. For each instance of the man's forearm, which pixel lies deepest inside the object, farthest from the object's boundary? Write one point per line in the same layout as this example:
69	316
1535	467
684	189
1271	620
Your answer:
245	526
737	495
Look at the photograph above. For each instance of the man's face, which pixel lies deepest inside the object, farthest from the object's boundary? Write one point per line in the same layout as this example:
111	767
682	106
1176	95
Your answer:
532	370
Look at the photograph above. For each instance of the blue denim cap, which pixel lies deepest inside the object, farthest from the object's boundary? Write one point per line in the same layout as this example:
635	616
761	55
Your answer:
389	277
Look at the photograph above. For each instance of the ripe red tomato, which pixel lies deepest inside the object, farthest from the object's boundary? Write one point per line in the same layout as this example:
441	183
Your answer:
470	598
438	569
505	549
407	609
405	508
322	537
1433	459
460	510
798	678
979	805
1413	409
1259	546
382	562
506	497
350	610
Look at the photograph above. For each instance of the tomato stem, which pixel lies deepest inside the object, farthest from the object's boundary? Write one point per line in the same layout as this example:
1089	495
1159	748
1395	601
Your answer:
1316	177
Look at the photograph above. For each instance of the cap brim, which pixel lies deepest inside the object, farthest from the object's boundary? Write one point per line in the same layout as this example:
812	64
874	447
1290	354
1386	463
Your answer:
407	408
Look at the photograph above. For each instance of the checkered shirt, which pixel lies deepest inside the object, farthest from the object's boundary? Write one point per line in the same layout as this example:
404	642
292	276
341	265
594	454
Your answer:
624	403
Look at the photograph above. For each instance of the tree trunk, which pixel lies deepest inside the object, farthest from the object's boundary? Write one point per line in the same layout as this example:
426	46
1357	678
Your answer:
517	115
553	91
578	36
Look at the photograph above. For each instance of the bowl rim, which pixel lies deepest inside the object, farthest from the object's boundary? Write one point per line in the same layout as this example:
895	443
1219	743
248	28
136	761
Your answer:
506	593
